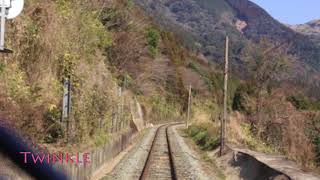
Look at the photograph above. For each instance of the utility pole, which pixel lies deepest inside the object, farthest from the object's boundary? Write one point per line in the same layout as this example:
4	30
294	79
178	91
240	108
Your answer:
122	110
225	94
115	111
119	109
189	106
124	102
3	23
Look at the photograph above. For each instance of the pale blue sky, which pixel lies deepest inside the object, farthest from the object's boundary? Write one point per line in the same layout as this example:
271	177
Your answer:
291	11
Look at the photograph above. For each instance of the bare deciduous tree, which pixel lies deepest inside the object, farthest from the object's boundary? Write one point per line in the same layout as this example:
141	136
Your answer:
266	64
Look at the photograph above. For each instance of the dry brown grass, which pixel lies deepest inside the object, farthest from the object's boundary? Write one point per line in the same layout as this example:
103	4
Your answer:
283	128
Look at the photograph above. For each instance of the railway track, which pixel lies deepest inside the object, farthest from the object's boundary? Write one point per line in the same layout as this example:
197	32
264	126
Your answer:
160	164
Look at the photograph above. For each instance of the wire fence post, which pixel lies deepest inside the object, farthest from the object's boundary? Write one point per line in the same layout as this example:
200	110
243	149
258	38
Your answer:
66	105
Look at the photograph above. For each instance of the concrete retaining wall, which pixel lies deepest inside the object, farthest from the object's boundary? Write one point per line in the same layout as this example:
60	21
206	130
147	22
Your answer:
251	169
256	165
137	115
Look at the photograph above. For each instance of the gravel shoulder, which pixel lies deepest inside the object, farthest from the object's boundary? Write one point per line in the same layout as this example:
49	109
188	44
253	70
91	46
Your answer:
189	162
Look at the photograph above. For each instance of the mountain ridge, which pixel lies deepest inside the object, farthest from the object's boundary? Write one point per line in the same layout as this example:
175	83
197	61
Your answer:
310	28
208	22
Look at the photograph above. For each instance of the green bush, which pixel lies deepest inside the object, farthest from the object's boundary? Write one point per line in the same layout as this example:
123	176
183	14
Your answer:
212	143
53	128
193	131
202	137
317	105
312	131
2	66
125	80
196	68
209	81
239	99
153	38
129	4
300	102
317	147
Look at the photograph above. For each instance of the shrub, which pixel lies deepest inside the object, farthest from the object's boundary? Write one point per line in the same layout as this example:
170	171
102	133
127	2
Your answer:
312	131
125	80
196	68
240	97
2	66
299	102
204	136
238	101
212	143
129	4
54	131
201	138
153	38
193	130
209	81
317	148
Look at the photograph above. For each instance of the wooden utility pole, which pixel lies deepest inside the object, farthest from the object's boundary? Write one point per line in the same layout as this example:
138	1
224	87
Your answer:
124	124
189	106
119	109
225	94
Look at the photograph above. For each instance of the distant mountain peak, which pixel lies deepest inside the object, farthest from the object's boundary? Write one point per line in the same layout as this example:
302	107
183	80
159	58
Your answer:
309	28
316	22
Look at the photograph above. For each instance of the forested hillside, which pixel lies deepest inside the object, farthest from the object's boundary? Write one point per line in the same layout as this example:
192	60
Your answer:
101	47
202	26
